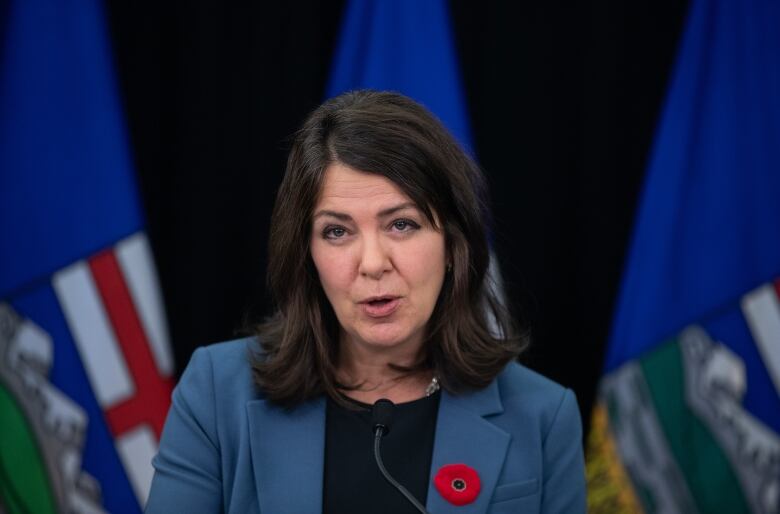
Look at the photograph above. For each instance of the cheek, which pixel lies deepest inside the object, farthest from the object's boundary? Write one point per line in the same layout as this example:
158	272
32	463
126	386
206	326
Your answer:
425	267
333	268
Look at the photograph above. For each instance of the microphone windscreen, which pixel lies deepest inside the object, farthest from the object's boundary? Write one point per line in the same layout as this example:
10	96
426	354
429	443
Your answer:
382	414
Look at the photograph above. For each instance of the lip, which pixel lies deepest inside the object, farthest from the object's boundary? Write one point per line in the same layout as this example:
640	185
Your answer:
388	305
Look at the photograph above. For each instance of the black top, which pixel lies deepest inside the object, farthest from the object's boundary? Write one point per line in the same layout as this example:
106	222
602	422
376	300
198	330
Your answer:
352	481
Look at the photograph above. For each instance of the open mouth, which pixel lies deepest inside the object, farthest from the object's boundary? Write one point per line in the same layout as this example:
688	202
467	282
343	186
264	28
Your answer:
381	306
379	302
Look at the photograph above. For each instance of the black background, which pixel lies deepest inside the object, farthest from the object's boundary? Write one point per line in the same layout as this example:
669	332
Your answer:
563	99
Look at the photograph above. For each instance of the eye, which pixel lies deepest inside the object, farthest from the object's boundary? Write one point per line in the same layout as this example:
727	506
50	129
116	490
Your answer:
404	225
334	232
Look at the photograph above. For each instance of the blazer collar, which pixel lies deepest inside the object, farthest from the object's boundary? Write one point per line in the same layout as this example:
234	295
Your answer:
288	449
464	436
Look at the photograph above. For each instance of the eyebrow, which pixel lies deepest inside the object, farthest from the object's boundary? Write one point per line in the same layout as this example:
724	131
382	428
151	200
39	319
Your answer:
381	214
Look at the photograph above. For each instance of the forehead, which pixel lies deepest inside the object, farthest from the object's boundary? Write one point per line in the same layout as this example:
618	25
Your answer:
344	187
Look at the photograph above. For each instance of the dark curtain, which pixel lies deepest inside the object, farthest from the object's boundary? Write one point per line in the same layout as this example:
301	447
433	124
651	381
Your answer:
563	102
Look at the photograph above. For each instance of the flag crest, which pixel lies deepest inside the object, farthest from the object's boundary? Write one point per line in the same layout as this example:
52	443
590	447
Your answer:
689	407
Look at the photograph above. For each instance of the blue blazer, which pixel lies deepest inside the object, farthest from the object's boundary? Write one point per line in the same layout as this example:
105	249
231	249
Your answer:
226	449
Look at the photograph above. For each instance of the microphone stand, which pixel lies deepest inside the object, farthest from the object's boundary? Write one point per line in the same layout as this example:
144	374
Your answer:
382	413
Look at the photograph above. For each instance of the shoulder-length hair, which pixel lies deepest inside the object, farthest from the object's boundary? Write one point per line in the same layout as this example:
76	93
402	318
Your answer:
469	337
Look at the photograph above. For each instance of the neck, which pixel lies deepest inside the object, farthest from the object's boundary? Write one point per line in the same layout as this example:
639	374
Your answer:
374	378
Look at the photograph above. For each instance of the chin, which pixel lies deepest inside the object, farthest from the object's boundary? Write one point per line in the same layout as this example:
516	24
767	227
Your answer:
385	337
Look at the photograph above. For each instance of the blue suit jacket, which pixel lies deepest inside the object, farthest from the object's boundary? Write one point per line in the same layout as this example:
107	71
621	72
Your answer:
226	449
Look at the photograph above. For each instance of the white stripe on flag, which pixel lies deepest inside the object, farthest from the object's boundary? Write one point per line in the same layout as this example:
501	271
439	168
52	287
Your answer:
136	449
135	259
93	334
762	311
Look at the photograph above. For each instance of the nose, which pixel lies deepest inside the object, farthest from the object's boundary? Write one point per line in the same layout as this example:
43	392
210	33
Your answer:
374	258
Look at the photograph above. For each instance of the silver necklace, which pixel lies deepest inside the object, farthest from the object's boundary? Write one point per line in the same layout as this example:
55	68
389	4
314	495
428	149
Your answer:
432	387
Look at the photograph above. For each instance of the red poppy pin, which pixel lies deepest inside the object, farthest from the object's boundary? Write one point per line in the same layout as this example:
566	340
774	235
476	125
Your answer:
457	483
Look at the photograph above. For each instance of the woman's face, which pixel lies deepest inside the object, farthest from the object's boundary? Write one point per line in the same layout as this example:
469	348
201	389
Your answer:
380	262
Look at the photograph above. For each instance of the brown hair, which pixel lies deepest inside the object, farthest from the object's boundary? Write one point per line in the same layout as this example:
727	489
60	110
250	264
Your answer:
469	336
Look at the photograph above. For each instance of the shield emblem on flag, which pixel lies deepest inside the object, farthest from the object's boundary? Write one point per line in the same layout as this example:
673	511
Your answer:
85	368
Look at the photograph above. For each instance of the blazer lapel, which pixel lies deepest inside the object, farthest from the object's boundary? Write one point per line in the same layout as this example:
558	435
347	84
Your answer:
463	436
287	448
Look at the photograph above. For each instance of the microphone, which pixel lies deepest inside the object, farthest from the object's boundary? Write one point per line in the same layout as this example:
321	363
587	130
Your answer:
382	417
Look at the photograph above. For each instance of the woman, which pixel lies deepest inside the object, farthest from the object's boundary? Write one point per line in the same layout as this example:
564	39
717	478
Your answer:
378	265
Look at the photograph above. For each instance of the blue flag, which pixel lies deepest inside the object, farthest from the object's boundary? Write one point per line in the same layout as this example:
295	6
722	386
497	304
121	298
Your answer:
85	365
405	46
689	411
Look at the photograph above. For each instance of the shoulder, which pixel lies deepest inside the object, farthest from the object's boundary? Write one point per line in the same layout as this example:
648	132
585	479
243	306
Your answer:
226	357
204	438
229	353
517	383
517	379
544	421
221	371
532	396
215	388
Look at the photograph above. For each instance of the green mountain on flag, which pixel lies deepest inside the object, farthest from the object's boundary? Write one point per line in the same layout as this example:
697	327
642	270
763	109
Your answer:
43	429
